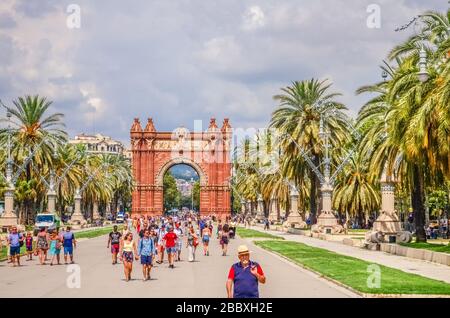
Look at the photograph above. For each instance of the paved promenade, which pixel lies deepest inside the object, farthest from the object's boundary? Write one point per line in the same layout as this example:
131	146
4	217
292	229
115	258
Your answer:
204	278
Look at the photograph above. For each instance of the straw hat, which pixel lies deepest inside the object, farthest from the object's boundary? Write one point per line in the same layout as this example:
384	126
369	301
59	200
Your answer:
243	249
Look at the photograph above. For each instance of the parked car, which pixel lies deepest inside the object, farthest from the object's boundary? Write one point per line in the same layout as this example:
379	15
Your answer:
50	221
120	218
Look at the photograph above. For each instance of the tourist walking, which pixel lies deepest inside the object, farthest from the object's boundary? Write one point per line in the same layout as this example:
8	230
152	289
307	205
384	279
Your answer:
161	233
266	224
146	250
29	246
15	241
170	242
127	247
192	242
42	244
55	247
206	235
233	229
179	244
126	229
244	276
114	241
219	229
69	243
224	239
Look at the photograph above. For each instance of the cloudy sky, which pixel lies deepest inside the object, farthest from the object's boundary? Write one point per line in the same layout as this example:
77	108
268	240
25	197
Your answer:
180	60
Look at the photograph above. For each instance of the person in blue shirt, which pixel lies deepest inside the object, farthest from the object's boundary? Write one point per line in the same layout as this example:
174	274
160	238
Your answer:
15	240
146	250
69	243
244	276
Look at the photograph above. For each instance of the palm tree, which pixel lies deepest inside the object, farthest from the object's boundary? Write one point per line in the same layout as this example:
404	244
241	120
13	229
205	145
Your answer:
301	108
408	122
355	192
33	131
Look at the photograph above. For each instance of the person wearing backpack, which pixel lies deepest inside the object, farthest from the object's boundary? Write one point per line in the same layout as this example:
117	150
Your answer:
146	251
15	241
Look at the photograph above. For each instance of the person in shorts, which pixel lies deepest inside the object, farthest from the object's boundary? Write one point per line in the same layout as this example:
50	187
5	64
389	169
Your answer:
29	246
224	239
161	234
146	250
114	241
15	240
206	236
69	243
179	244
170	240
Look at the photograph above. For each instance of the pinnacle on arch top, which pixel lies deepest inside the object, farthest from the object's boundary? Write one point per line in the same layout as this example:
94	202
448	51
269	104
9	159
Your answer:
136	127
150	126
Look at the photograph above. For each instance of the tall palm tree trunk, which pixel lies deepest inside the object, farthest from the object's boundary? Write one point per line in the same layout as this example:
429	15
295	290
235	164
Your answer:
417	201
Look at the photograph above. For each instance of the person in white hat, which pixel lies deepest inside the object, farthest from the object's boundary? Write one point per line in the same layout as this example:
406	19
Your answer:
244	276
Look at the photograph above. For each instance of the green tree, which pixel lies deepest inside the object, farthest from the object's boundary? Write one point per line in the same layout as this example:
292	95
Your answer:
297	119
172	196
33	130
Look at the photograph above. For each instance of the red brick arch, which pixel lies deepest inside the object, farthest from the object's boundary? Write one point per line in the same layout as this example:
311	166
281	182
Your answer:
208	152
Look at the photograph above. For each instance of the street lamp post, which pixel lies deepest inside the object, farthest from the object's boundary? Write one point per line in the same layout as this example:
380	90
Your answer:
326	221
9	218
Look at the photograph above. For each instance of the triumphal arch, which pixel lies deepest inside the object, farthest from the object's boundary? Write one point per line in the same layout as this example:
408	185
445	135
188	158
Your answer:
208	152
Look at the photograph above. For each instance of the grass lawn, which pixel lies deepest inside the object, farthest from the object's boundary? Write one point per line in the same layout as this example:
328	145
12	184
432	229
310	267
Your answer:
354	272
95	233
3	256
362	231
248	233
442	248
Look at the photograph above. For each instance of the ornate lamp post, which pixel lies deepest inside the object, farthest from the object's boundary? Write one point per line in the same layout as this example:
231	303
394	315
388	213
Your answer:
326	222
260	208
9	218
51	193
423	73
294	219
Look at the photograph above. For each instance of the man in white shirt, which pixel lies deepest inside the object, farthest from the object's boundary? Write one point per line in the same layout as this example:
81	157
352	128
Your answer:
179	244
161	233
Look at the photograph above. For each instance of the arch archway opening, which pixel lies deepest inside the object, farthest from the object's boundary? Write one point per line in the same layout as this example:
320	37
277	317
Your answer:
181	189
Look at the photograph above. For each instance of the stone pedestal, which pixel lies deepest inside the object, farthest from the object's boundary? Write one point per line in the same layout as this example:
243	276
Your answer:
249	208
327	222
51	201
77	220
260	209
294	219
388	223
95	214
273	215
9	218
243	210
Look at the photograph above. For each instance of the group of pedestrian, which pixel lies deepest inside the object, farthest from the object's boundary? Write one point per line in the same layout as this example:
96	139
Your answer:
47	244
160	236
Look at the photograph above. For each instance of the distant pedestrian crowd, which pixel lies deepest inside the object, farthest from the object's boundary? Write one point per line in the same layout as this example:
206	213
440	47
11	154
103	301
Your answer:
47	245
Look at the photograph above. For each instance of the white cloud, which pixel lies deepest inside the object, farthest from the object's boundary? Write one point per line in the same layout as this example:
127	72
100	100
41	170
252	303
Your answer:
253	18
177	62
